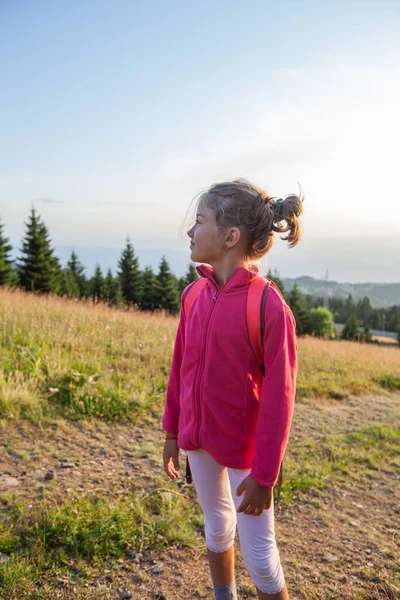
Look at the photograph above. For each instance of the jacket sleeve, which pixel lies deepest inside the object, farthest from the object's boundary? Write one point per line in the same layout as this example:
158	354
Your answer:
170	417
277	396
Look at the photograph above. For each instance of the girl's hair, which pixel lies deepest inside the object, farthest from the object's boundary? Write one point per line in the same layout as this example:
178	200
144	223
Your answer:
241	204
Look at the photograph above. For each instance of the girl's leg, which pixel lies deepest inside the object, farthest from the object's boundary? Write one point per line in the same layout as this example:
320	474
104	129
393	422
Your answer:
214	493
258	545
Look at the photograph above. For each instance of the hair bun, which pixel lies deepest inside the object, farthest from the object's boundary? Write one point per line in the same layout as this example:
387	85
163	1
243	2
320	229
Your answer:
279	207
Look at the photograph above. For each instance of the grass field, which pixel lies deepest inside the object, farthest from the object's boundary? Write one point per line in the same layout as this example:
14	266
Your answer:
86	511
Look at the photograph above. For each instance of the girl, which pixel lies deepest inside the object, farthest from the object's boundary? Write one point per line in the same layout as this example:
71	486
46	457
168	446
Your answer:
233	422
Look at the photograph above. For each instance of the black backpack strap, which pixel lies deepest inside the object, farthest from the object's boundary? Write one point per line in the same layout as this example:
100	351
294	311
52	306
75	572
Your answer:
188	476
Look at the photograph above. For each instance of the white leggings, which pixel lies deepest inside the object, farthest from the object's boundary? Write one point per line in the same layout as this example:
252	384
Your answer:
216	490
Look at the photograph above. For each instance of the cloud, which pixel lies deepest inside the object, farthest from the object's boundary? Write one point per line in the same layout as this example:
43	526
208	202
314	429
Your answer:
334	128
317	114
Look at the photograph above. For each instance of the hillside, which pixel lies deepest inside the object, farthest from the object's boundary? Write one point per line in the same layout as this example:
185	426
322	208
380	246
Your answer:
381	295
86	510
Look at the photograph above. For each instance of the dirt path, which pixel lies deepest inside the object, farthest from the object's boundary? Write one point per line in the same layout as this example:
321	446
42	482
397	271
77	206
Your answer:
341	544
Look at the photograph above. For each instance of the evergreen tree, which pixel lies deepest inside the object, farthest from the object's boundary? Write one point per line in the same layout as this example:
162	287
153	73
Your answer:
364	310
97	285
299	309
38	269
350	330
6	263
112	289
58	275
349	308
167	293
278	282
148	295
129	274
77	274
191	275
69	286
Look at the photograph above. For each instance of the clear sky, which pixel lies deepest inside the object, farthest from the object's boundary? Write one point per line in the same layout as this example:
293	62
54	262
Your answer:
113	115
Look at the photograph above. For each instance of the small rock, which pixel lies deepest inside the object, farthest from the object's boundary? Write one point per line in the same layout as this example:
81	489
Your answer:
331	557
38	473
159	538
376	579
9	481
49	475
137	556
159	597
156	569
354	524
144	455
125	596
4	558
343	579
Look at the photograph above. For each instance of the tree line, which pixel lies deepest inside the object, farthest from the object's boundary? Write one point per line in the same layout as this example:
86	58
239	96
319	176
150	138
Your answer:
38	269
313	318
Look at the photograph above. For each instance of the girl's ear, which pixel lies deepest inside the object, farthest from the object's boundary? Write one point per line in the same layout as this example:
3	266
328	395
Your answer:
232	237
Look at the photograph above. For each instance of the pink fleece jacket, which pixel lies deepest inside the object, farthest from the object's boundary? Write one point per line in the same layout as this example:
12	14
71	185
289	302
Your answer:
217	398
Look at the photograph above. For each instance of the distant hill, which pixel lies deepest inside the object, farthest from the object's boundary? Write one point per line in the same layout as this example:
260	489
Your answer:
381	295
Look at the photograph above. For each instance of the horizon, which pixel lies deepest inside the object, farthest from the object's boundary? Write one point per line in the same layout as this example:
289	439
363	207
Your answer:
308	263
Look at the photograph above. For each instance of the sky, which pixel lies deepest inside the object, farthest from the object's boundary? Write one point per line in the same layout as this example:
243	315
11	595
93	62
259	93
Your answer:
113	116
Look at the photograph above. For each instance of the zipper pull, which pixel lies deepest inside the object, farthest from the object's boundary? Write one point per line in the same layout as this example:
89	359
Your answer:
213	299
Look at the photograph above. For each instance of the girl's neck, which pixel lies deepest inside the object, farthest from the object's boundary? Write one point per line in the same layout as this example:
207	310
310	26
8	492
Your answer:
224	270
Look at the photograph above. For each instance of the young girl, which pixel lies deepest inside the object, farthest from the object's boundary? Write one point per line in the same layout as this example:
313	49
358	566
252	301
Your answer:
233	422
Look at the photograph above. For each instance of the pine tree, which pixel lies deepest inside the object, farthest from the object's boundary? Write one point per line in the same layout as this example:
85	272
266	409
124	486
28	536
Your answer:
350	329
58	275
278	282
129	274
77	274
167	293
69	286
148	294
97	285
299	309
191	275
38	269
6	263
112	289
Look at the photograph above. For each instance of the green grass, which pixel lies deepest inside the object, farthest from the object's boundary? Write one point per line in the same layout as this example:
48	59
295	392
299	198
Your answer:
320	462
90	530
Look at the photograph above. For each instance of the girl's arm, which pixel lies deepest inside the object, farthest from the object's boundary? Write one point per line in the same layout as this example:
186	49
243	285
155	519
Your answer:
277	396
170	417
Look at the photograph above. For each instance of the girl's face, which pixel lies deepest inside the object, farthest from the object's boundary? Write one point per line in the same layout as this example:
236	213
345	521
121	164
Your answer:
206	244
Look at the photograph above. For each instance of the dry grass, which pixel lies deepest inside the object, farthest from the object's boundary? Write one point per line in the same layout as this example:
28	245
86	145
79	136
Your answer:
85	360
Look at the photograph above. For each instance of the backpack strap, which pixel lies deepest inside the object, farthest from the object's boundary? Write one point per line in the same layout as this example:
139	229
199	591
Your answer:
255	311
191	294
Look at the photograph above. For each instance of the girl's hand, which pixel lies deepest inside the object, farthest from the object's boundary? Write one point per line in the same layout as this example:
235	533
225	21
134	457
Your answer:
171	458
256	497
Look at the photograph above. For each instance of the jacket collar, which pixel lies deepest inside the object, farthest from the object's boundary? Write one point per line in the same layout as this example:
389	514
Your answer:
240	278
